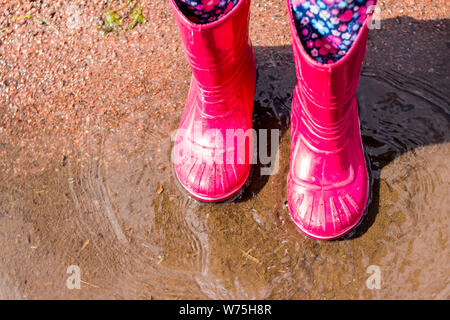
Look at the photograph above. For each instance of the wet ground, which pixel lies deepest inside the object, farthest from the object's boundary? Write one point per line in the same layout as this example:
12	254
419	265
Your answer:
86	180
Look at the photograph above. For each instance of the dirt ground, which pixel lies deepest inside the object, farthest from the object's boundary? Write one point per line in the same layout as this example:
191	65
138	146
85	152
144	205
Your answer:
85	126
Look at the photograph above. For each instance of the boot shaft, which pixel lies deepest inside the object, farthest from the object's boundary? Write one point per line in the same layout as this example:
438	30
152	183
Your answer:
325	109
326	90
216	51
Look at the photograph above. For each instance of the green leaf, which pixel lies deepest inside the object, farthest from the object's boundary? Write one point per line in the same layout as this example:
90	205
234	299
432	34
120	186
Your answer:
137	17
111	22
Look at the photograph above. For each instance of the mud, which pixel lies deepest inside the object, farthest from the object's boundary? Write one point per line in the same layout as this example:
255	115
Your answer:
85	138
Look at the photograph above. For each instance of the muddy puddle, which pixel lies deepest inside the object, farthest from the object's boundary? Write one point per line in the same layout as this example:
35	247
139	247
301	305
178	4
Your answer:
108	203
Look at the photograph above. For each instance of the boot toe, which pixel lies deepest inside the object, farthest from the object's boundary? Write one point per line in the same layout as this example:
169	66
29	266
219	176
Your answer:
208	180
327	213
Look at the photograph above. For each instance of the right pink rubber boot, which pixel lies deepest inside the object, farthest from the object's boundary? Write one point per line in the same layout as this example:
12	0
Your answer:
213	146
328	180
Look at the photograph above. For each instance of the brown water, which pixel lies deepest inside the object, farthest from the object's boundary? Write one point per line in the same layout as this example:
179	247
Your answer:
107	202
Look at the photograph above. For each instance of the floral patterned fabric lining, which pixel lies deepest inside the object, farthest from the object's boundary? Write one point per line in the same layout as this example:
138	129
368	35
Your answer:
328	28
205	11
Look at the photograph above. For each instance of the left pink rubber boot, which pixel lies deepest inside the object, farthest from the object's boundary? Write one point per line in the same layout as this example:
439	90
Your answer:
328	180
213	147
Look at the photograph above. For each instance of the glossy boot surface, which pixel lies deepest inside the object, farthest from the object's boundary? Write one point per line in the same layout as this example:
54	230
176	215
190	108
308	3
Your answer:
328	179
213	146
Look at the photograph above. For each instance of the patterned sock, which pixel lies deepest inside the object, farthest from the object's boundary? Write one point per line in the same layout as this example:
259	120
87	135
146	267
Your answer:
205	11
328	28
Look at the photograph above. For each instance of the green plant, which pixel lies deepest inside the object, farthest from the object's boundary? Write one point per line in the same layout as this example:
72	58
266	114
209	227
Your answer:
112	20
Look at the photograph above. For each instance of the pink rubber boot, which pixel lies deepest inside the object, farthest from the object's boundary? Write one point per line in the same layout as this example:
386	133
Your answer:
328	180
213	146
